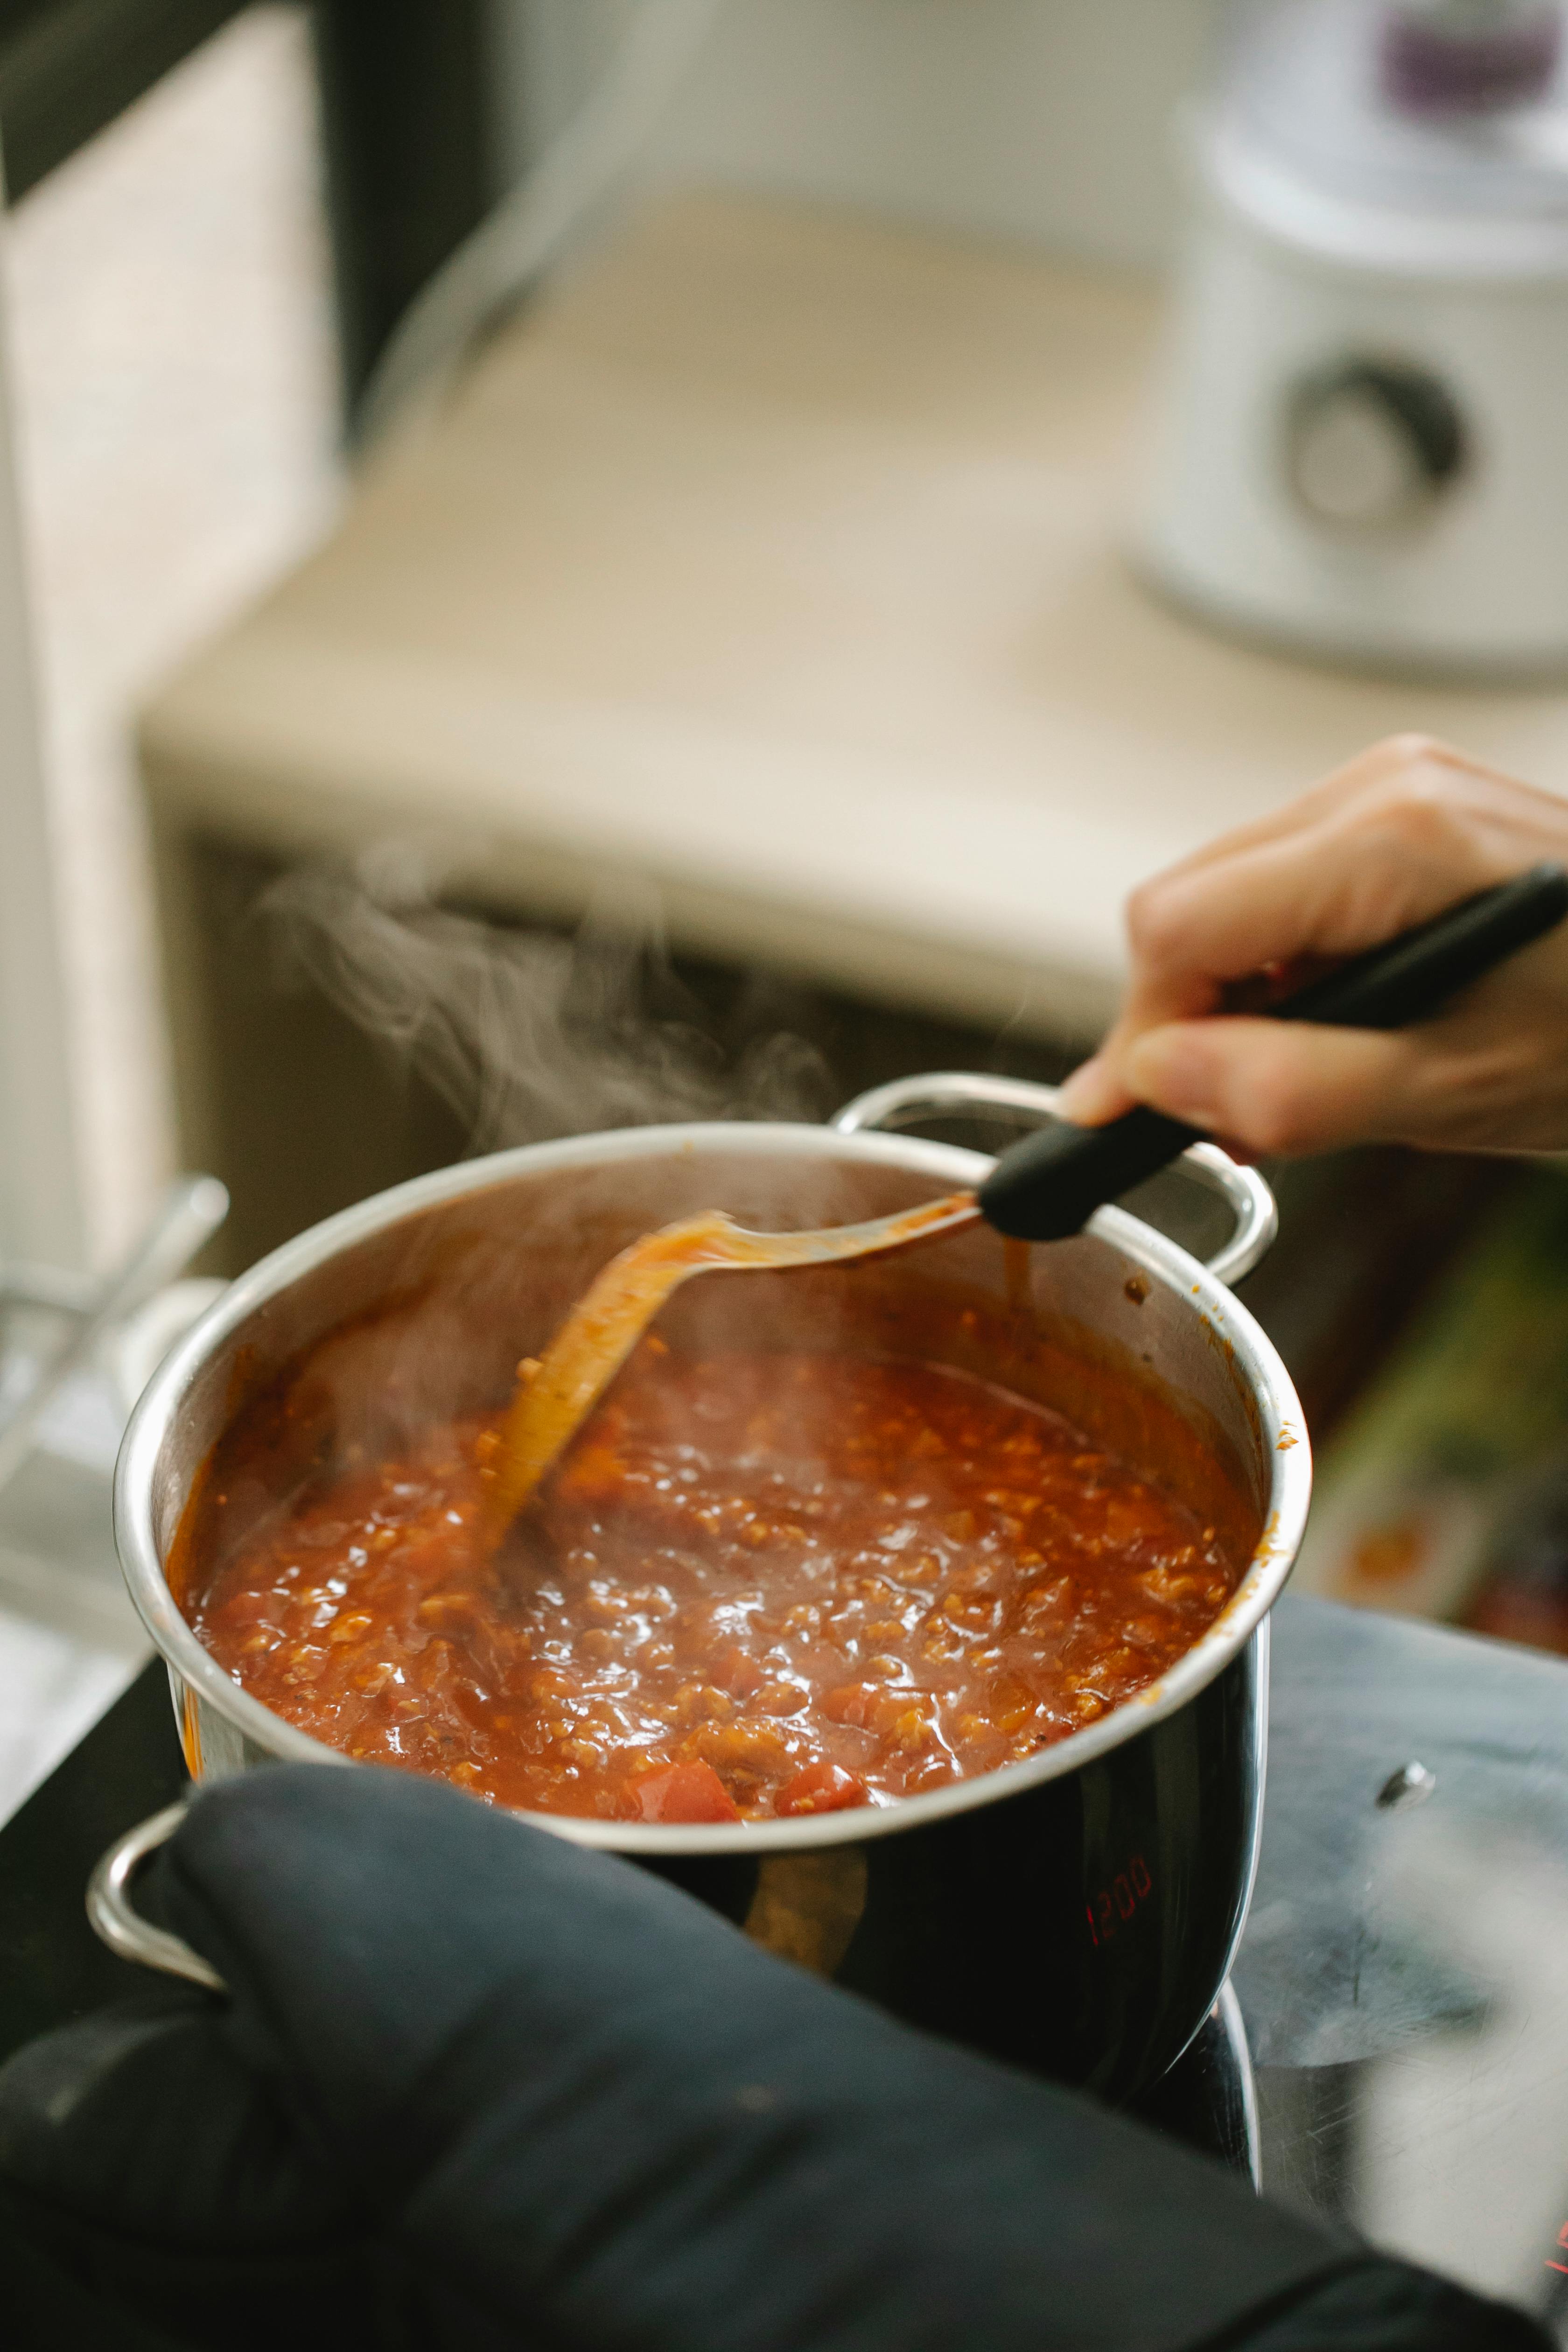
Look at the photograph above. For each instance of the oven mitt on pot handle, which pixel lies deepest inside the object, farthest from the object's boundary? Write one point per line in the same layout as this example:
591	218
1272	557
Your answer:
474	2086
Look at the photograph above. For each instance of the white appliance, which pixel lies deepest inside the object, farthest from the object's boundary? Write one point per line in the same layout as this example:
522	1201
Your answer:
1362	442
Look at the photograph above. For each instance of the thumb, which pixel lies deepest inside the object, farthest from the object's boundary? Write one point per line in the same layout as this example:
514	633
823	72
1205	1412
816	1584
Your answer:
140	2154
1271	1086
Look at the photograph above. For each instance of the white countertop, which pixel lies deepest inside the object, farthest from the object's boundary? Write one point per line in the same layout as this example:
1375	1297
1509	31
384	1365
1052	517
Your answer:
775	561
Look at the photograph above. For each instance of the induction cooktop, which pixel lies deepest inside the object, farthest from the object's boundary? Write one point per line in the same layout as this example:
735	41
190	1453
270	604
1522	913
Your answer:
1392	2050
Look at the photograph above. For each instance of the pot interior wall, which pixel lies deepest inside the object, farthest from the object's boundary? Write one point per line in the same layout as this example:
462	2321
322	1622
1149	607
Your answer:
427	1319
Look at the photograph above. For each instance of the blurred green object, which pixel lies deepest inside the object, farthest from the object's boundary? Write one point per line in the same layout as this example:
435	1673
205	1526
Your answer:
1462	1434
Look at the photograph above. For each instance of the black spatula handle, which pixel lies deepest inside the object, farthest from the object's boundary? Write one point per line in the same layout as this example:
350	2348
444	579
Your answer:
1049	1185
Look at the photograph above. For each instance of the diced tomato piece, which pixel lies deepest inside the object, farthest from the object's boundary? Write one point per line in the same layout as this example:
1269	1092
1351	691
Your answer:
852	1702
733	1669
683	1793
822	1789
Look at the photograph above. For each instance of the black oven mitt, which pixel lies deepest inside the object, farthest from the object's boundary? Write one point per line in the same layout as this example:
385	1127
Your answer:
476	2087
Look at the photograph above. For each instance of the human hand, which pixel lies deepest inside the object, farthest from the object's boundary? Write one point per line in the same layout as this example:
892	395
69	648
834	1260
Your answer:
1403	832
475	2086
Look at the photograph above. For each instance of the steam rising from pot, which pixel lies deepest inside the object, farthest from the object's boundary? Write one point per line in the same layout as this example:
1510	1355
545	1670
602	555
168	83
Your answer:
528	1034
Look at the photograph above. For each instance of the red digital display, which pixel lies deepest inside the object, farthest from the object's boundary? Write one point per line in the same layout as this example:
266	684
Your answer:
1563	2241
1110	1908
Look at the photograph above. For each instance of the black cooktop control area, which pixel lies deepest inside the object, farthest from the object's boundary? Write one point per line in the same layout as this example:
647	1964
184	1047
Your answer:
1404	1977
1393	2049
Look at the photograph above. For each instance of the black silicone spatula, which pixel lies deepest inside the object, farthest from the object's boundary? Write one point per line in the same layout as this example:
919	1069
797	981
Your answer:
1047	1186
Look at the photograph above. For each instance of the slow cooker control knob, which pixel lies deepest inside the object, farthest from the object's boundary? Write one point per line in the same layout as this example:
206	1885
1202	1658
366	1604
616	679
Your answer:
1371	444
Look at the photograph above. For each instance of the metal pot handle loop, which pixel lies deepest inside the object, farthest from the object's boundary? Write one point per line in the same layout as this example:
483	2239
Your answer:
907	1102
116	1921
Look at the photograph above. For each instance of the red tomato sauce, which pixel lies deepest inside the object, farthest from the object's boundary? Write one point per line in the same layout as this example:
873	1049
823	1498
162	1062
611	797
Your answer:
758	1585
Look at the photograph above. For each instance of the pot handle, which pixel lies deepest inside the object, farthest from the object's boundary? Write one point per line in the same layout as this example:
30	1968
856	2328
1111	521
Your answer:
906	1102
116	1921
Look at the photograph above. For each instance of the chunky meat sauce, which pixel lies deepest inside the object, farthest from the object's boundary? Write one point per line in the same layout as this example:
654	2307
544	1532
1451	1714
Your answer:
757	1585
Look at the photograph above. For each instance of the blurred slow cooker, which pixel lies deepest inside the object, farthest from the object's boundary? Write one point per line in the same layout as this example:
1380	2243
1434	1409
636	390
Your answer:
1360	449
1077	1912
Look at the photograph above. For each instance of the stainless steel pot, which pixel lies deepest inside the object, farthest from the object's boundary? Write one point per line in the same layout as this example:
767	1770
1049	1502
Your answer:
1077	1912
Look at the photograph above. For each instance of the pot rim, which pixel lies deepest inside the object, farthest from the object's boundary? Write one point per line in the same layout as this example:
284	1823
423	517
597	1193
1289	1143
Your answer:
1283	1435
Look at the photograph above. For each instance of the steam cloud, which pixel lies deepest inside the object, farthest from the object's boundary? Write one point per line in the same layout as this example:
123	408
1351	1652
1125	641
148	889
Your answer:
527	1035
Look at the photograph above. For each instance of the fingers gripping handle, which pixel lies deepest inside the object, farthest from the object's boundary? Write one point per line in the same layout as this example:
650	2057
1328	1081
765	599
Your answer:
1047	1186
907	1102
1414	975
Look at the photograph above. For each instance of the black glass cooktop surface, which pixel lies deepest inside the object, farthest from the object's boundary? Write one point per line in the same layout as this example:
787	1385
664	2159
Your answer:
1393	2049
1403	1977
